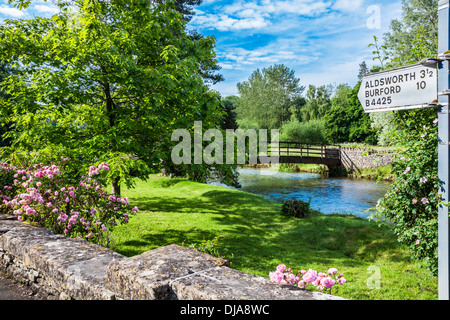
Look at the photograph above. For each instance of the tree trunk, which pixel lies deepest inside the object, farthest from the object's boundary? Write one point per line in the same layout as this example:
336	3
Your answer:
116	187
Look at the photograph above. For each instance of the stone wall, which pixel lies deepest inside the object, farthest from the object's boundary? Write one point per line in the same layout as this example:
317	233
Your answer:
65	268
355	160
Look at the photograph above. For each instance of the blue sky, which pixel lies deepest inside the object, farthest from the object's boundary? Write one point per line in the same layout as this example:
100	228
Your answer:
323	41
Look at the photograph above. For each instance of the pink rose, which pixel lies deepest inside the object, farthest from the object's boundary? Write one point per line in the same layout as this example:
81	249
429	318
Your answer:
310	276
276	276
332	271
281	267
328	282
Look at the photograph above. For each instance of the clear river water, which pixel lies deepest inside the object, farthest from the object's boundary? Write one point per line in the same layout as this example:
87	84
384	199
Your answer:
328	195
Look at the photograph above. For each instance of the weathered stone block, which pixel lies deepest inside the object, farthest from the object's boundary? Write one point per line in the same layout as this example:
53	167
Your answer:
148	276
222	283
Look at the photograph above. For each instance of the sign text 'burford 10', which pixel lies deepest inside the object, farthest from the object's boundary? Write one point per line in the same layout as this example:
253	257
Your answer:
414	86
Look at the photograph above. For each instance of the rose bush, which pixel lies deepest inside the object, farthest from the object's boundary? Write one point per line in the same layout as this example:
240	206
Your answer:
411	201
303	279
43	194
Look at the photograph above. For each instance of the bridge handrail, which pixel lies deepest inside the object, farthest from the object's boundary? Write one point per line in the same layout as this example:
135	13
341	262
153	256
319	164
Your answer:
294	148
311	144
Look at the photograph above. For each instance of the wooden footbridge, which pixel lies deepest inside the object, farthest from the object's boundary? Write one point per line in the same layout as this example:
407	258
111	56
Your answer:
297	152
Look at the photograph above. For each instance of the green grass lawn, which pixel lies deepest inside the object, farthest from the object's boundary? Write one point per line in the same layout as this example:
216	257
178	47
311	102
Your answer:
252	234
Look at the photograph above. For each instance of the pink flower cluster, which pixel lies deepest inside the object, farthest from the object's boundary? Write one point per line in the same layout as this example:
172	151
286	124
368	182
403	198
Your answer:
304	278
280	276
93	170
43	195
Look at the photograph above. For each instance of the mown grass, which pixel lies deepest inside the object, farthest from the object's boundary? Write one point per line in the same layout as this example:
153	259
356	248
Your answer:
250	231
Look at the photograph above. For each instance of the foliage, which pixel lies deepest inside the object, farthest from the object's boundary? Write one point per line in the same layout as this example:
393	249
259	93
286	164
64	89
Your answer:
377	51
384	124
296	208
5	71
411	201
268	98
43	194
363	69
229	120
318	102
346	121
414	36
308	132
211	247
109	83
321	280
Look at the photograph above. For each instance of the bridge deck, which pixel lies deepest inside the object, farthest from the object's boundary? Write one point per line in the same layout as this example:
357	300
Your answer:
297	152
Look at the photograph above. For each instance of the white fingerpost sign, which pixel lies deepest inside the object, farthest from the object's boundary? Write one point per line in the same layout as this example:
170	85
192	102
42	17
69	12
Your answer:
419	86
409	87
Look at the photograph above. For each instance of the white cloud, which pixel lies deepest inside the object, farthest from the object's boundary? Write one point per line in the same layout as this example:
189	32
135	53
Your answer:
241	15
348	5
12	12
223	22
276	7
46	9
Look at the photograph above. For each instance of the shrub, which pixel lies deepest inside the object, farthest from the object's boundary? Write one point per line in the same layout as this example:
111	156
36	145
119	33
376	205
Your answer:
43	194
296	208
412	199
312	131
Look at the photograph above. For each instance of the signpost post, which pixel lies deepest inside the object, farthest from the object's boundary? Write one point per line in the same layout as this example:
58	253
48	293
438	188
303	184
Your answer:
419	86
443	158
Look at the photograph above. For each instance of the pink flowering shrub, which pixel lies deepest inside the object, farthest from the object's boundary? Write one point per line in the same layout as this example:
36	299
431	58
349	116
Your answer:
303	279
7	188
44	194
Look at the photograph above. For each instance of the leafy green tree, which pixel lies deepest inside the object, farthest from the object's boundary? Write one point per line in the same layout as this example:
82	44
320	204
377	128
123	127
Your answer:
207	69
346	120
5	71
268	98
109	83
419	22
229	120
318	101
363	69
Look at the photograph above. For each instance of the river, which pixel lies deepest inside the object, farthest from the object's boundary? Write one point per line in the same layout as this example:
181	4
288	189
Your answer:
328	195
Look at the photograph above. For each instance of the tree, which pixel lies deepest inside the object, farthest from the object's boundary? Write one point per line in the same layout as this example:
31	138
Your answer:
5	71
346	121
268	98
318	101
363	69
229	120
110	83
419	21
208	70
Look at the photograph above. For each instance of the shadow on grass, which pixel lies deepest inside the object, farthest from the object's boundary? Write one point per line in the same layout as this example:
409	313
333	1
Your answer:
258	236
150	241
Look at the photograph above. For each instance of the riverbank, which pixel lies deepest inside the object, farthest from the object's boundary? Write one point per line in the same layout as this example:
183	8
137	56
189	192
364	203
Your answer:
382	173
249	231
